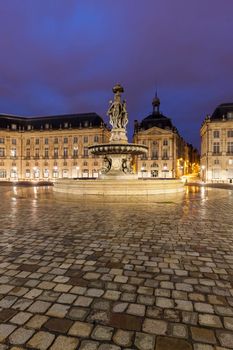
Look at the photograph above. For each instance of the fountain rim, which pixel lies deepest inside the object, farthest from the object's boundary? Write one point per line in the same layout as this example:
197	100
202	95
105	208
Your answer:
118	148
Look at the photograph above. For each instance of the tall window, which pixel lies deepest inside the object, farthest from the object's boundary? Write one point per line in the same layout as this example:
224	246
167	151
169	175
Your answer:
229	133
13	152
2	140
216	134
75	140
2	173
165	142
229	147
37	141
55	152
13	141
75	152
216	147
2	152
165	154
65	152
37	153
85	152
85	139
216	161
46	153
28	152
28	142
46	141
96	138
65	139
56	140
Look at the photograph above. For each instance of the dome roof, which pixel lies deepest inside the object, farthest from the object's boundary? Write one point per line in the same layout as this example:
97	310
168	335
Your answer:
224	110
156	119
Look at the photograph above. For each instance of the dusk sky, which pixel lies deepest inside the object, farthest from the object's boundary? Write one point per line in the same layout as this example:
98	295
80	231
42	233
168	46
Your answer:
64	56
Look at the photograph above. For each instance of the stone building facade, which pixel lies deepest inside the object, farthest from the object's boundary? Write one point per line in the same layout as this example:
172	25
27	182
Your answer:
217	145
53	147
169	156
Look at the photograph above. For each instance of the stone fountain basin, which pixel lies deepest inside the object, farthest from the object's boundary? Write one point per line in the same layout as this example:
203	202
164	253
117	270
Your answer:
118	148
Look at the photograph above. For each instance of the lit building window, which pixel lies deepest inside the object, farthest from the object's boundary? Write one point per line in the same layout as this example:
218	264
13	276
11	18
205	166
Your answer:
216	147
85	152
230	147
2	140
65	152
2	152
3	173
216	134
46	153
56	152
75	152
65	139
13	152
165	142
75	140
37	141
229	133
96	138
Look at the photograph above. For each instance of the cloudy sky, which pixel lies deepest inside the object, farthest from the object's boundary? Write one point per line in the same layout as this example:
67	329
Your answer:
64	56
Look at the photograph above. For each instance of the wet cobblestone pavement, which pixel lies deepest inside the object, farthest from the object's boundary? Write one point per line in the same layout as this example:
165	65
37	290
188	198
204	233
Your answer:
115	274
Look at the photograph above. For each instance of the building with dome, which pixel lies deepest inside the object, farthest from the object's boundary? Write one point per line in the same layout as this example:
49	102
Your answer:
169	156
217	145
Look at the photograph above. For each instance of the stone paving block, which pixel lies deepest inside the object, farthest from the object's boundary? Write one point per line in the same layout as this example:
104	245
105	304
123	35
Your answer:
41	340
152	326
225	338
6	314
203	335
20	318
67	343
89	345
58	325
102	333
37	321
210	321
39	307
165	343
6	330
83	301
81	329
144	341
136	309
20	336
7	302
58	310
123	338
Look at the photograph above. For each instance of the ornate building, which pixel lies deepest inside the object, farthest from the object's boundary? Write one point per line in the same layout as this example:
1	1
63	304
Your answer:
53	147
169	156
217	145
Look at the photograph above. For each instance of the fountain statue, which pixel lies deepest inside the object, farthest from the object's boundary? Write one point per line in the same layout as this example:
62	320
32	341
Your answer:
118	152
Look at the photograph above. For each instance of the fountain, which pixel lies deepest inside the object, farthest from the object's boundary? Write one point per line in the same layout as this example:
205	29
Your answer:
118	152
117	176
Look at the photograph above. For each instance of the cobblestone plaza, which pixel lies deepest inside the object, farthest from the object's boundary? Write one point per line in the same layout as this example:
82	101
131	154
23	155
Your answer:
111	274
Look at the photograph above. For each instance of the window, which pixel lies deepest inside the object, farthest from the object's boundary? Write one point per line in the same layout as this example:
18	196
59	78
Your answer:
37	153
66	125
230	115
96	138
28	173
75	140
65	139
165	142
230	147
13	152
216	161
216	134
2	173
46	153
46	141
75	152
154	153
229	133
165	154
65	152
56	140
28	153
2	152
13	126
2	140
85	152
37	141
216	147
56	152
13	141
86	124
85	163
28	142
46	126
85	139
